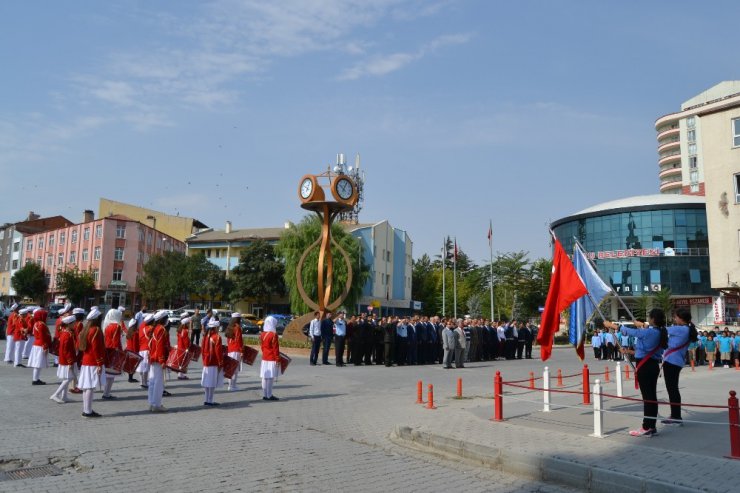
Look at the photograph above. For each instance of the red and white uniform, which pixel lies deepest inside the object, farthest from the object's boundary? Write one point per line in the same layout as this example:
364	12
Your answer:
183	338
10	337
113	333
67	354
93	359
38	358
213	361
144	333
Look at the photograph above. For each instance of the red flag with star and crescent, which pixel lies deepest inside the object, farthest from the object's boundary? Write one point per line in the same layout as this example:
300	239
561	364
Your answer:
565	287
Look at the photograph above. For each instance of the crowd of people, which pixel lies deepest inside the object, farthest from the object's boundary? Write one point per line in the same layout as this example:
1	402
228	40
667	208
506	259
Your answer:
89	352
419	340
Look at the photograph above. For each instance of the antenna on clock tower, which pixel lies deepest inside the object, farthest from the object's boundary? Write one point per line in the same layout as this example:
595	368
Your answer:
358	176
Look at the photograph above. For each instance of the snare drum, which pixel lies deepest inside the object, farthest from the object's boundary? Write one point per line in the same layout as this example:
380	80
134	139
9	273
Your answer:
249	354
230	366
114	360
284	362
178	360
131	362
194	351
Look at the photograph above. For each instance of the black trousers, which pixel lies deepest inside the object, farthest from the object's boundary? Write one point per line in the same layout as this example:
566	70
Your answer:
670	374
528	350
339	349
401	351
647	377
195	337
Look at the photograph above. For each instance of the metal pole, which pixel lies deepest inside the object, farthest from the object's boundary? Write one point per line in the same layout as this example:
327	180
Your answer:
490	246
454	282
444	261
546	386
598	412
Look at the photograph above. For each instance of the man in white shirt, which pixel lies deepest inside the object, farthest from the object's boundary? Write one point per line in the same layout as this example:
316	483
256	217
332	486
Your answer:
340	332
596	344
314	333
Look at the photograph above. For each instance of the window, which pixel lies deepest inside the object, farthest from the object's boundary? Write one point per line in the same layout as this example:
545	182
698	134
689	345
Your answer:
691	135
691	122
60	259
38	260
121	231
16	246
694	187
85	255
15	264
62	237
118	254
118	275
99	231
49	260
737	188
41	243
51	240
141	234
693	162
692	149
149	238
73	236
655	277
96	275
736	132
72	257
96	253
695	276
29	245
86	234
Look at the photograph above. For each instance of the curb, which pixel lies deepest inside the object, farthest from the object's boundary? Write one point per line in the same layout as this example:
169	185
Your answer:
564	472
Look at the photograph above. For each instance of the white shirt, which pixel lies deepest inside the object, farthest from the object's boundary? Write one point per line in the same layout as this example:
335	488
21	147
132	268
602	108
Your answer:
340	327
315	328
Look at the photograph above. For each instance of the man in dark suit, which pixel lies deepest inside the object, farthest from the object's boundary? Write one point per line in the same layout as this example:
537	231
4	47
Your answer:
327	333
411	331
421	341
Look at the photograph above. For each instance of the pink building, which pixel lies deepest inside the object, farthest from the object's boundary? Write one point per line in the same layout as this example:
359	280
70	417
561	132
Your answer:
113	249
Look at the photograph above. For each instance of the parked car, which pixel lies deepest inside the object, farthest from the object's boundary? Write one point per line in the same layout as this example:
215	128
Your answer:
53	309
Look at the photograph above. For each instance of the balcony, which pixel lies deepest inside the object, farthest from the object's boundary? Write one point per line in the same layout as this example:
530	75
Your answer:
669	172
664	134
670	185
674	144
670	158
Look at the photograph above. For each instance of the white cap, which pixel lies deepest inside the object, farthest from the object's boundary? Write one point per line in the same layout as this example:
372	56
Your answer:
69	319
214	324
37	309
160	315
65	309
13	306
94	313
185	321
131	323
78	311
23	311
121	309
148	317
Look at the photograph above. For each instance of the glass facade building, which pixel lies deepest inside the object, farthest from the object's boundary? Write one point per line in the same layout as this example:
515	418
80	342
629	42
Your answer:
644	244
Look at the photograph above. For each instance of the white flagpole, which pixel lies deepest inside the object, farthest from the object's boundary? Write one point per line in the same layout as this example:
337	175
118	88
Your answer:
490	246
454	279
444	261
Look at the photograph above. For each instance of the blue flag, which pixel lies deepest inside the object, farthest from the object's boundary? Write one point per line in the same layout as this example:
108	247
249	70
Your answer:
582	309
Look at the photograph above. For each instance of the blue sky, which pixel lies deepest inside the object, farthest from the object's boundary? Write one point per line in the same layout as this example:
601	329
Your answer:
521	112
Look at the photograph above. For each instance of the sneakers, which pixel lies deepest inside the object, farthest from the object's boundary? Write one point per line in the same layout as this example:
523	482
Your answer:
158	409
645	433
672	422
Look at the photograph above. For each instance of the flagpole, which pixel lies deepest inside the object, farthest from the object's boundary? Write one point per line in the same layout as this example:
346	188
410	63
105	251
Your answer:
454	280
444	257
490	246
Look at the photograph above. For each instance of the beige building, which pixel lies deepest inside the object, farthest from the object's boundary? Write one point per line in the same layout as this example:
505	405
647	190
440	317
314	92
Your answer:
178	227
684	148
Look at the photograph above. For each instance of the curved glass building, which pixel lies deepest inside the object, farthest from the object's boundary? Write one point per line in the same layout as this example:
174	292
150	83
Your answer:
644	244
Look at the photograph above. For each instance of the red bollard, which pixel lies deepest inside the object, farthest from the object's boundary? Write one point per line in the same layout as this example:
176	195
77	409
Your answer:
586	385
430	397
692	365
531	380
459	388
419	391
737	365
627	372
606	374
734	426
560	378
498	401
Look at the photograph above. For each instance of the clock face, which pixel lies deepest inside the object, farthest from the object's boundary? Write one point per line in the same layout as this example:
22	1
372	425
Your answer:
306	188
344	188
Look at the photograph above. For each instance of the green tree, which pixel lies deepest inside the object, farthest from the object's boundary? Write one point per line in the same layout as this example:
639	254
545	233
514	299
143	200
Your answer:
643	304
203	278
30	282
662	299
294	241
77	285
424	284
166	278
259	274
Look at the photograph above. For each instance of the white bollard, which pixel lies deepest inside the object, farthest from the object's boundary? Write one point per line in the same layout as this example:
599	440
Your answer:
598	413
619	379
546	386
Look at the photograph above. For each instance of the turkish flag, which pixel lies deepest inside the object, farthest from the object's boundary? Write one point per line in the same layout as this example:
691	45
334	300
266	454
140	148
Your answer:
565	287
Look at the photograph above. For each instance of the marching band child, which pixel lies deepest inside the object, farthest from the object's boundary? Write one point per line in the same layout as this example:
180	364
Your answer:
10	334
92	345
39	357
159	345
20	336
269	368
132	343
113	333
235	346
143	368
212	362
66	368
183	341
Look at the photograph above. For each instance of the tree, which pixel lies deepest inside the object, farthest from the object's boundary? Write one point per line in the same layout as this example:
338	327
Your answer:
643	303
294	241
30	282
77	285
165	278
259	274
662	299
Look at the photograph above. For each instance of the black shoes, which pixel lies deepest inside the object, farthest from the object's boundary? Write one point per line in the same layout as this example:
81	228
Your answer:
38	382
109	397
133	380
91	415
166	394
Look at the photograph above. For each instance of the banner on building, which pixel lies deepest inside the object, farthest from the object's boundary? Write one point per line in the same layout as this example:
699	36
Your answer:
719	310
